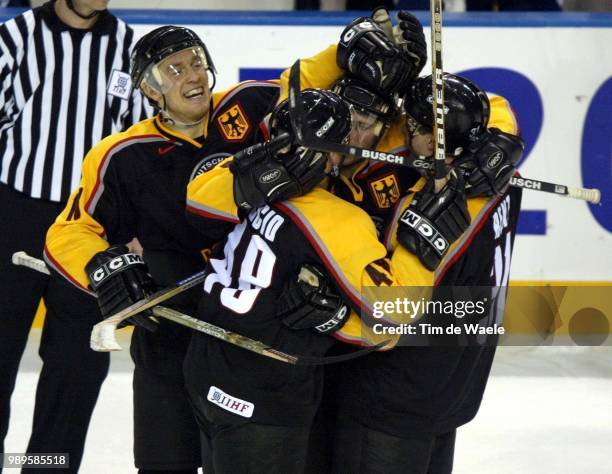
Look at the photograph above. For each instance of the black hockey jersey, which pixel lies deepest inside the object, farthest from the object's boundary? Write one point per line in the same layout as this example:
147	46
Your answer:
134	185
436	389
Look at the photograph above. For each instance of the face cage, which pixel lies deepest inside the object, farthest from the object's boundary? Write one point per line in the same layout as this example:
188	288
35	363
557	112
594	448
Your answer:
164	81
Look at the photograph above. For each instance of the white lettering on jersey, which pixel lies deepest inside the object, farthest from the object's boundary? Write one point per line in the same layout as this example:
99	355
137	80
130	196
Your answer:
500	217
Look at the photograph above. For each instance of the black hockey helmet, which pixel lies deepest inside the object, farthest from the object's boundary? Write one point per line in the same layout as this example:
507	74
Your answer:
328	116
161	43
358	94
466	109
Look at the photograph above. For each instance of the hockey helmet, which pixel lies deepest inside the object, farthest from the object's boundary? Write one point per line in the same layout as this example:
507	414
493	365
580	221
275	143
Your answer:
466	109
327	115
359	95
162	43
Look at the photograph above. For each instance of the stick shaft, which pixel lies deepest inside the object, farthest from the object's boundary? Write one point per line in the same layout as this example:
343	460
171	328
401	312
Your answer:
23	259
220	333
590	195
437	88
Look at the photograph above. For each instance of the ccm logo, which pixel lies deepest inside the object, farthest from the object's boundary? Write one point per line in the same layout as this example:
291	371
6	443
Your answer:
426	230
334	322
326	126
115	264
270	176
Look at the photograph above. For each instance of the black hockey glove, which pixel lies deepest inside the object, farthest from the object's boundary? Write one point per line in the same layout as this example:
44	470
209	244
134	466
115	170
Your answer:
310	302
367	53
433	221
119	279
489	162
409	36
268	172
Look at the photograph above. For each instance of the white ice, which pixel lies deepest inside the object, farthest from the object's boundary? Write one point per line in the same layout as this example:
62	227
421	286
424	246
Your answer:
546	410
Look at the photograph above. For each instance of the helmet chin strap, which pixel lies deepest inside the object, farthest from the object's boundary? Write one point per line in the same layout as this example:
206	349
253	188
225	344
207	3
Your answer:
167	118
93	14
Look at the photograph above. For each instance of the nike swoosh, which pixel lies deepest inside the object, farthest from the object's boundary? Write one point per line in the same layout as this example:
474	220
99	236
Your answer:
163	151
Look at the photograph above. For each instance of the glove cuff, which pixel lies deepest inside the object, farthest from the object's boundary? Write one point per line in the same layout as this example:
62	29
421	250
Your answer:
116	265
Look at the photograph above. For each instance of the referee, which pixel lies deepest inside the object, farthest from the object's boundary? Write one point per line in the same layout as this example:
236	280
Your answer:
64	85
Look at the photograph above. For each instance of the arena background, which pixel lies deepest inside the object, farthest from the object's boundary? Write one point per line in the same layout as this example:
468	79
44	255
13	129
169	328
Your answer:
556	70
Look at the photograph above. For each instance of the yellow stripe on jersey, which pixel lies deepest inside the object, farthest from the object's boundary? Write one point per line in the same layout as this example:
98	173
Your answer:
212	193
75	236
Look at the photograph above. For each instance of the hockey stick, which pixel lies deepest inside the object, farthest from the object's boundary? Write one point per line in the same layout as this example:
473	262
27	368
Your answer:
23	259
306	137
437	91
590	195
110	342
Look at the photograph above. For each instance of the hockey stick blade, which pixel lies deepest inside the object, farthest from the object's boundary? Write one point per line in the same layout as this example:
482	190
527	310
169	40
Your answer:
105	340
306	137
589	195
103	333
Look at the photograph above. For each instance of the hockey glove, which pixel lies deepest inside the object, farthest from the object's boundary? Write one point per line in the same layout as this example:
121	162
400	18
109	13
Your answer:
273	171
409	36
119	279
310	302
433	221
367	53
489	162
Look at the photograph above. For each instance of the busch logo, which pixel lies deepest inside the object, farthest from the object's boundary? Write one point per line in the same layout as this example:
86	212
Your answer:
525	183
380	156
495	159
270	176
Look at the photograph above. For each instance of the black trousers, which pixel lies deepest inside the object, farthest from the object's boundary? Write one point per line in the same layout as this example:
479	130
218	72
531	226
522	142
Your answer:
72	373
166	435
359	449
231	446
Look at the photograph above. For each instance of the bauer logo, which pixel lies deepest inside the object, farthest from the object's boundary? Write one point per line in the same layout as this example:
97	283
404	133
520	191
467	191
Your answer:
270	176
232	404
495	159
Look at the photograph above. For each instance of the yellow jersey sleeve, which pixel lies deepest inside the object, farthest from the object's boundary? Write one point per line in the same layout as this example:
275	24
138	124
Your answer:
319	71
356	259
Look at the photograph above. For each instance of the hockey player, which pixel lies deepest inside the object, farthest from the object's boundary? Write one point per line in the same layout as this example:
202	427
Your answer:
400	410
256	413
134	184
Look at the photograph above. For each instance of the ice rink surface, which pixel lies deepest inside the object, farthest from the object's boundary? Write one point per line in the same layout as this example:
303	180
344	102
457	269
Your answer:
546	410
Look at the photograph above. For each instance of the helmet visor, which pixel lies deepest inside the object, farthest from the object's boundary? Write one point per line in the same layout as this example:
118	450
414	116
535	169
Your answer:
366	128
175	68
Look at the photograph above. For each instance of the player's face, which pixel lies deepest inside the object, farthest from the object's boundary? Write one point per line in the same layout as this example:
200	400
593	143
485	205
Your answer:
365	130
422	144
91	5
184	80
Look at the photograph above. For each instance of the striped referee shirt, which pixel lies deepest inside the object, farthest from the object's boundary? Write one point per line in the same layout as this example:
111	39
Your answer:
61	91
